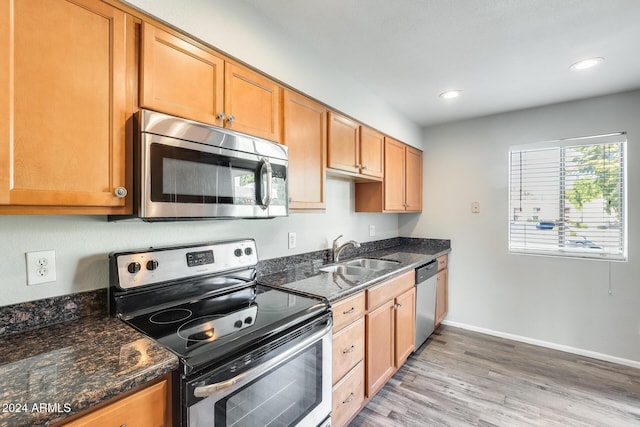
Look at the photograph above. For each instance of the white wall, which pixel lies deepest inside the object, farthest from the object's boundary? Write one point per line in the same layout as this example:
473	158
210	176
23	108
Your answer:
557	301
83	242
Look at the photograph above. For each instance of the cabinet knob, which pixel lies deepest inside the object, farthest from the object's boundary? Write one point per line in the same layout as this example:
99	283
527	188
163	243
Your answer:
221	116
231	118
120	192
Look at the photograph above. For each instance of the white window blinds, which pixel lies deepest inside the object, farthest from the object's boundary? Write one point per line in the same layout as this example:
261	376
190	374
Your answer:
568	198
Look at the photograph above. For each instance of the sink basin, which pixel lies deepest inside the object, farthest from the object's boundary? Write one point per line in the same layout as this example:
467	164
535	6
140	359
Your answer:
347	270
372	264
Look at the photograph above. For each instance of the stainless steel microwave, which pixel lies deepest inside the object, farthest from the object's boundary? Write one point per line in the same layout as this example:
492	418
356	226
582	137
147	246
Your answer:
189	170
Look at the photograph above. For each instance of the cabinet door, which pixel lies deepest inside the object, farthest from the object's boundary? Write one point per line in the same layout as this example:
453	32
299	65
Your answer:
413	177
343	142
394	178
442	290
371	152
405	325
251	102
380	347
180	78
147	407
63	70
304	132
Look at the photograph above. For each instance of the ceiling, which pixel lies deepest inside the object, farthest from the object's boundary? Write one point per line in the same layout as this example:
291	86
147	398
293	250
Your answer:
503	55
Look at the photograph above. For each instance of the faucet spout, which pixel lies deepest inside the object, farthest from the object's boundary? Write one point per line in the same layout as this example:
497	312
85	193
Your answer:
337	250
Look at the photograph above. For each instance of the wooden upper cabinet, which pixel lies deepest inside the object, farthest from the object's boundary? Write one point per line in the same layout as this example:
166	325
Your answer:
401	189
183	78
343	143
304	132
64	74
413	180
180	78
371	152
251	102
394	183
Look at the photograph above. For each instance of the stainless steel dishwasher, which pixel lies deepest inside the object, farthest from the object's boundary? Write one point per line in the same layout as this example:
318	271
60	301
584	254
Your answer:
426	278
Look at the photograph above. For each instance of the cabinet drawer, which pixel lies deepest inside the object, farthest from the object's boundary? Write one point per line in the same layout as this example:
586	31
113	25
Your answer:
348	396
348	349
442	262
347	310
379	294
147	407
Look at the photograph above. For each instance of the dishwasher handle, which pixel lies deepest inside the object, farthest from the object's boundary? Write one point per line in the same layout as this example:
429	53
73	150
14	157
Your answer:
424	272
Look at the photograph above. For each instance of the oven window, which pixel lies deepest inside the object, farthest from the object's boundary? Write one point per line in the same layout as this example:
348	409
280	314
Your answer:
281	397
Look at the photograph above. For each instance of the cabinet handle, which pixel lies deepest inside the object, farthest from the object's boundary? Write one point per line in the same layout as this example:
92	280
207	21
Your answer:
363	167
349	399
231	118
349	350
351	310
397	306
221	116
120	192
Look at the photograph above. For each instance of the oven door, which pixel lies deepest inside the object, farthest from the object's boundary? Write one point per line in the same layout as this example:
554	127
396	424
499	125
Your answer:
285	383
183	179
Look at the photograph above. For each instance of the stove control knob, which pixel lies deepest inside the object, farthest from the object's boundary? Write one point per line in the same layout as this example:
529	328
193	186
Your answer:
238	324
248	251
248	320
152	264
133	267
238	252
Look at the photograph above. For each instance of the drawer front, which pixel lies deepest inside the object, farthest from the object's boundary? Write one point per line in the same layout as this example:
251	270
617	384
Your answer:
348	349
348	396
442	262
347	310
147	407
379	294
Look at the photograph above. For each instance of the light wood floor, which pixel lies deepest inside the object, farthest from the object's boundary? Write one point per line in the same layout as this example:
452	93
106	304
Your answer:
463	378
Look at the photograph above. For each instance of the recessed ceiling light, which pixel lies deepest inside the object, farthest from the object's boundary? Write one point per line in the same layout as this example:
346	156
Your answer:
450	94
586	63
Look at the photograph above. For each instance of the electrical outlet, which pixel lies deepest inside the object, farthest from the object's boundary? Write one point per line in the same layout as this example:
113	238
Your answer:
292	240
41	267
372	230
475	207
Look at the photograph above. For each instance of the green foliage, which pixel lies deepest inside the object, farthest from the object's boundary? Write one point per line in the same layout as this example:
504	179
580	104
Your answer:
599	170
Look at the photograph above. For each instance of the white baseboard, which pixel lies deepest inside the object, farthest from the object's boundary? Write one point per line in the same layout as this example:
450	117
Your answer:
540	343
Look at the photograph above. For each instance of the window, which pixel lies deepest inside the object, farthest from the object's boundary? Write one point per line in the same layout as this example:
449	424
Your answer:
568	198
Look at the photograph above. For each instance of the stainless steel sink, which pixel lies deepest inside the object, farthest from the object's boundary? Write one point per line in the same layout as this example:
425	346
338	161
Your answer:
347	270
372	264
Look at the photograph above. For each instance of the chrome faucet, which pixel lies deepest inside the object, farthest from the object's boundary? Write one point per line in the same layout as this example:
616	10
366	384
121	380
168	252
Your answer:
337	250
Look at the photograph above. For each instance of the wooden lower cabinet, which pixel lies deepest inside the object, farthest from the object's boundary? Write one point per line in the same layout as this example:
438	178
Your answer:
442	290
348	362
145	408
348	395
390	328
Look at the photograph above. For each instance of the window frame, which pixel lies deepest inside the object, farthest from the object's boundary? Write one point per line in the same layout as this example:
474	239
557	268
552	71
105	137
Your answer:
560	250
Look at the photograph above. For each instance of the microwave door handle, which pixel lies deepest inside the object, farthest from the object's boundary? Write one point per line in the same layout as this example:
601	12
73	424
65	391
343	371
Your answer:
266	190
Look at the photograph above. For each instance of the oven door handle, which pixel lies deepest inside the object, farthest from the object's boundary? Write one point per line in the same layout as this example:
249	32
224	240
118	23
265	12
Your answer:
238	381
265	183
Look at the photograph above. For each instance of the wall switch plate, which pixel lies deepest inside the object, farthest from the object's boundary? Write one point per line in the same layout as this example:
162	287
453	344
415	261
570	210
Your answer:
475	207
372	230
41	267
292	240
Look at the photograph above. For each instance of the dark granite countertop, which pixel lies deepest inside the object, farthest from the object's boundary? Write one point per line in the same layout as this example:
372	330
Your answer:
50	373
305	276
